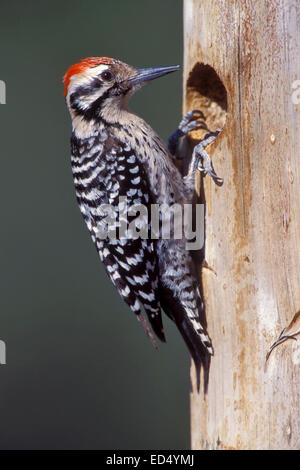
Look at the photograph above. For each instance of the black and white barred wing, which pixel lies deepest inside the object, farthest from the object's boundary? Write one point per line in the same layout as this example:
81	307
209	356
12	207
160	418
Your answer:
132	268
129	256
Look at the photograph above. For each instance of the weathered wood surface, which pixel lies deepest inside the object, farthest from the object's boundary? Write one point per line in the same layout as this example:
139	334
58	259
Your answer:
252	221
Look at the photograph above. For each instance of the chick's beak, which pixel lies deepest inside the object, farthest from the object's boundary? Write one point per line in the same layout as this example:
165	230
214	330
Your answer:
144	75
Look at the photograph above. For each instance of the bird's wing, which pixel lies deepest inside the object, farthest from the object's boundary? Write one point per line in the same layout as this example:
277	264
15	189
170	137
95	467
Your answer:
130	262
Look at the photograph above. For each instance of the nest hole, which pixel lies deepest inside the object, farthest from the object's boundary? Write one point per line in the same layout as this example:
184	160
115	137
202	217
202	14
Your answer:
206	92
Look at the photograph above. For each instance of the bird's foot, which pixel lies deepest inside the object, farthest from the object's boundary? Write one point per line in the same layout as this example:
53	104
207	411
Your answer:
191	121
202	160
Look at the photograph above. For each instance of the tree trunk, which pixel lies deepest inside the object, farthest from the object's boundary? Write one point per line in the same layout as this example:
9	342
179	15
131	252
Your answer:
252	229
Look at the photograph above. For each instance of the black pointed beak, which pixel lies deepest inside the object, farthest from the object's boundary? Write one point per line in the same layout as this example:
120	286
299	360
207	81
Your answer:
144	75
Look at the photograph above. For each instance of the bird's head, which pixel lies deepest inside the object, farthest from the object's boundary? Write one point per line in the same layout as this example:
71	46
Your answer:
100	86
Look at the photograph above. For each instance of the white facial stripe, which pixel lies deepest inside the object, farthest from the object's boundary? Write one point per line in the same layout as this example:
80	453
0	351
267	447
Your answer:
89	99
86	77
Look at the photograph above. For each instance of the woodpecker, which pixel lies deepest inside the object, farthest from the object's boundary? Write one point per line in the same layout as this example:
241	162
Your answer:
116	153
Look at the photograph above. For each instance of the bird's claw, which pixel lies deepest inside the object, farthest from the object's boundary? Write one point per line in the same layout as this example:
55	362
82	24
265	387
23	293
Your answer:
204	162
190	122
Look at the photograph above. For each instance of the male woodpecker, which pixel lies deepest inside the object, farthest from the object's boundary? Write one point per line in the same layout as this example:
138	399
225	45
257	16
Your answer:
116	153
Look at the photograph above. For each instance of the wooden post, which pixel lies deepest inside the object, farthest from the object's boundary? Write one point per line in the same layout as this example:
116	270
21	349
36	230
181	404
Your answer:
252	221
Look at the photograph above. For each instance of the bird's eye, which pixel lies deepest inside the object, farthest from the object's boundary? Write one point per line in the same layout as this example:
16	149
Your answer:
107	75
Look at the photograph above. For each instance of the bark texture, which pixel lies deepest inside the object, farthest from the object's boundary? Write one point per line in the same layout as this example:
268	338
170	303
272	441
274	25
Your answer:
241	67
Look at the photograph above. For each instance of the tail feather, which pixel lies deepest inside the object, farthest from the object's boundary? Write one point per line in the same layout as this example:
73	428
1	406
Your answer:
194	334
199	352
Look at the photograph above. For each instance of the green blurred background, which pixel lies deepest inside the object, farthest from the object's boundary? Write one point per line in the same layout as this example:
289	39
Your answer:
80	372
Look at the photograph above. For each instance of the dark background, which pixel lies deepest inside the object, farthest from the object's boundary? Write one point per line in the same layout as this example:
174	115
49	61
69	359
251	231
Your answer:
80	372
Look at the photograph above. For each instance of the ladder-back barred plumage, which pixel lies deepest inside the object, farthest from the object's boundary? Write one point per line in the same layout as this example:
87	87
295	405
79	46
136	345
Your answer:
116	153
